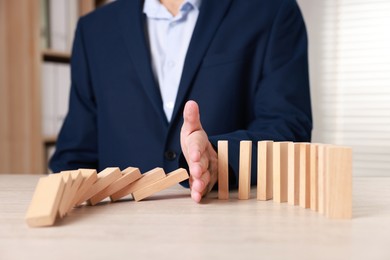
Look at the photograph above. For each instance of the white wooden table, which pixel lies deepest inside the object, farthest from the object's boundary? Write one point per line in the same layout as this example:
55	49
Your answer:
171	226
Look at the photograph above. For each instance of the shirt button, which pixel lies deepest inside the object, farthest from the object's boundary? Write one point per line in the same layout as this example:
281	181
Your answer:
170	155
169	105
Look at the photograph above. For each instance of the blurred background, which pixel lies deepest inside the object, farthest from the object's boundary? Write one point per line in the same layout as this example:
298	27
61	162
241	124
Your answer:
349	55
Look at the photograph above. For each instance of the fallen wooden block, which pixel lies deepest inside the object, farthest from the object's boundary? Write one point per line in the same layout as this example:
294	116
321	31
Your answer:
66	175
264	170
171	179
89	178
43	208
223	170
105	178
146	179
129	175
77	180
244	178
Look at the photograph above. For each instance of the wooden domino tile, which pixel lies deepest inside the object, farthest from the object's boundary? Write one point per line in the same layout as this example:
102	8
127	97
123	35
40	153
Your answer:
264	170
89	178
280	158
314	177
321	179
304	175
105	178
293	173
171	179
129	175
338	182
223	170
77	180
244	179
66	175
43	208
146	179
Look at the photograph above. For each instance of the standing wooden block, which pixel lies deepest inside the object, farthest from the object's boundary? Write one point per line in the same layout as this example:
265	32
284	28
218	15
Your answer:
105	178
314	177
66	175
129	175
171	179
223	170
45	202
293	174
321	179
304	175
244	181
264	170
339	182
77	180
146	179
89	178
280	160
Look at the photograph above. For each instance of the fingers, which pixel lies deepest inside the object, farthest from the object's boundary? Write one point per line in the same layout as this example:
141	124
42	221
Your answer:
196	149
191	118
194	140
199	186
196	145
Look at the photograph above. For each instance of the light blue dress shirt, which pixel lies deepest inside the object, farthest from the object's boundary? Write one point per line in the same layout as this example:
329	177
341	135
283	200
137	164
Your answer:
169	38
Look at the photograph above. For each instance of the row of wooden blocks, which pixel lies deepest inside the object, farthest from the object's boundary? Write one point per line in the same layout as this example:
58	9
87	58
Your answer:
315	176
57	194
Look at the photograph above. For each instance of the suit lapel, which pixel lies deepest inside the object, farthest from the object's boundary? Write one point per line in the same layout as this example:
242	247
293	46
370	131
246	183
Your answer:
132	27
211	14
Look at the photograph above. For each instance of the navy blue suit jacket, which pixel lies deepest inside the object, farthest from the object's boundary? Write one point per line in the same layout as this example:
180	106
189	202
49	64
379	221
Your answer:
246	66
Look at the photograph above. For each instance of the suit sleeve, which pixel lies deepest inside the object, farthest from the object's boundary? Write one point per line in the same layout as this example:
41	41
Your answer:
77	142
281	101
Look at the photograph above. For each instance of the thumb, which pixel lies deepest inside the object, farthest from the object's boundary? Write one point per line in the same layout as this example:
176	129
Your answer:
191	118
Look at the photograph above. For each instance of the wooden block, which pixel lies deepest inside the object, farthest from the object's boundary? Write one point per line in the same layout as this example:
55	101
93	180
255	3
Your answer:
280	160
244	178
264	170
105	178
314	177
89	178
321	179
43	208
171	179
66	175
339	182
304	175
129	175
77	180
146	179
223	170
293	173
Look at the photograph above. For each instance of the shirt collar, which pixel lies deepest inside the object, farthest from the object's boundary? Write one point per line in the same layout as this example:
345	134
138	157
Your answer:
154	9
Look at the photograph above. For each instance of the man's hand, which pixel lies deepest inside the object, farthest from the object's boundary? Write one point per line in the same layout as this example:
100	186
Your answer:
199	153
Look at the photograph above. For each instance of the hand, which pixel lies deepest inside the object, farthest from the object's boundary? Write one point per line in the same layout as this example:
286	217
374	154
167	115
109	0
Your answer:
199	153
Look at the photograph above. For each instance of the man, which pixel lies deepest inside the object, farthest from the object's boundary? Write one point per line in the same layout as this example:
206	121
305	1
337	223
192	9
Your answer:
135	64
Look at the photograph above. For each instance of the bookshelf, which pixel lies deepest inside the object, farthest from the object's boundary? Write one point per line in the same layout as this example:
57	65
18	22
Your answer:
23	145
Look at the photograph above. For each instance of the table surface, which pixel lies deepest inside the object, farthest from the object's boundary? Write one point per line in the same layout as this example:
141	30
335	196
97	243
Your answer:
170	225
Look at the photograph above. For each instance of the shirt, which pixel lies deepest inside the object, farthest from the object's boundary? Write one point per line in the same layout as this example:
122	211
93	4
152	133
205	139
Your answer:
169	38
